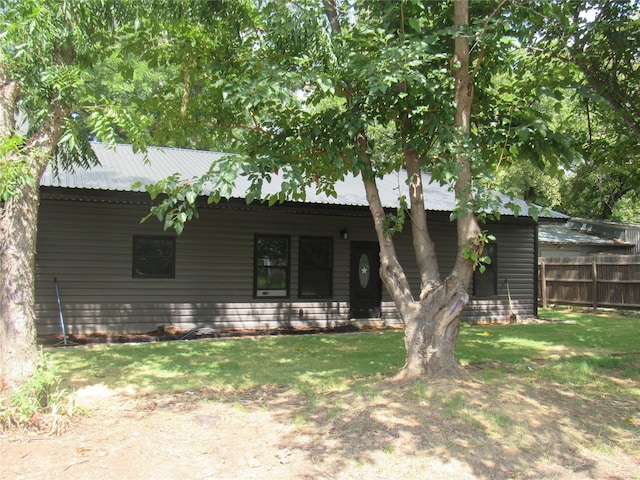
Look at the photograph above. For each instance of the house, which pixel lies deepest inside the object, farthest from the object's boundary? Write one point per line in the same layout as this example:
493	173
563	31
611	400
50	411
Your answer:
239	265
580	237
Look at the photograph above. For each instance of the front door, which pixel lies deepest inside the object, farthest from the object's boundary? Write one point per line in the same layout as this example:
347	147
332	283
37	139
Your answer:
366	286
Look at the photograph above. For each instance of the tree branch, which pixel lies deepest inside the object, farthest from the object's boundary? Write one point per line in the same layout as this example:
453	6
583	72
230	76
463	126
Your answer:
391	271
423	246
466	224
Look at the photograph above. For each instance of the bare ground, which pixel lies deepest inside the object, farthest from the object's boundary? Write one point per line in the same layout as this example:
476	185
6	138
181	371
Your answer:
503	429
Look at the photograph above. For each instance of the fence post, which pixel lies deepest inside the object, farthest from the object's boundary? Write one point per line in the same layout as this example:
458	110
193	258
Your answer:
543	275
594	288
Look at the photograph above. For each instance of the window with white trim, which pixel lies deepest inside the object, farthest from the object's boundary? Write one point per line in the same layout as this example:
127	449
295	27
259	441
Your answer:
271	266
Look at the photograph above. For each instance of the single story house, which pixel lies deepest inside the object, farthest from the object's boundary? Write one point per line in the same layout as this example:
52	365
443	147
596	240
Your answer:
239	265
580	238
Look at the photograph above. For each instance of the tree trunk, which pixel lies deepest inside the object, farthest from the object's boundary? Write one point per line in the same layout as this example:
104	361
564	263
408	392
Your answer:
432	320
18	228
18	232
431	332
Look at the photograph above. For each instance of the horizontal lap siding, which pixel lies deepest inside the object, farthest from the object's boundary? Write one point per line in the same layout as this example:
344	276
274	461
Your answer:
88	247
516	268
146	317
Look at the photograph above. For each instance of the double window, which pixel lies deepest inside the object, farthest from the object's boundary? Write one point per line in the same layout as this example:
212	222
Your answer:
272	266
485	284
154	257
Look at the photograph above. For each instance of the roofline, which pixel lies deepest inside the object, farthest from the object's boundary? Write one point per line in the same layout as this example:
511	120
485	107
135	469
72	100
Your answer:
143	198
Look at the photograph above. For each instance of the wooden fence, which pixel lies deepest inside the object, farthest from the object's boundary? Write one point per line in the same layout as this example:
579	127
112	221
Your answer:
598	281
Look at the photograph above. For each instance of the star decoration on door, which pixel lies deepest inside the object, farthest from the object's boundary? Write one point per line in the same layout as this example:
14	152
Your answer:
364	270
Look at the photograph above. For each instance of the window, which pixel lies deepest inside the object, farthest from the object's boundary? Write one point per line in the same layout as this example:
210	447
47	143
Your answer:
271	262
315	267
485	284
154	257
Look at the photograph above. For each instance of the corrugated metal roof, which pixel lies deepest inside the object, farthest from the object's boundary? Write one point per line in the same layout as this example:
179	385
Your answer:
563	234
120	168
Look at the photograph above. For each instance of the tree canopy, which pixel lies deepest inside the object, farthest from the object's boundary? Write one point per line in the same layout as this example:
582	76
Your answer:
586	54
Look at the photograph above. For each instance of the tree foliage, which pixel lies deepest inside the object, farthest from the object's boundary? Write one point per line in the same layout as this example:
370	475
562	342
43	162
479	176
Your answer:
50	102
584	53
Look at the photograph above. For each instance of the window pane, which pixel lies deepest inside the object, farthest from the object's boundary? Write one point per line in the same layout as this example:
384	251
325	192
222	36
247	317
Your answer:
272	278
274	249
271	261
153	257
485	284
315	276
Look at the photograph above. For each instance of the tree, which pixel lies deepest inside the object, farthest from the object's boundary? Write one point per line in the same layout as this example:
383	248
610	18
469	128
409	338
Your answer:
370	88
600	49
48	105
582	54
592	45
71	71
608	169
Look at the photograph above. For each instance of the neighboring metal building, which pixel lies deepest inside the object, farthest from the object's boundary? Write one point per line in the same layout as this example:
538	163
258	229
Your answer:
622	233
240	265
570	240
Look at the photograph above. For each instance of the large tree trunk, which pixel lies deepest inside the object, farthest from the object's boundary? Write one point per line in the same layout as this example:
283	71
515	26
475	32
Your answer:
18	228
18	231
432	321
431	332
17	332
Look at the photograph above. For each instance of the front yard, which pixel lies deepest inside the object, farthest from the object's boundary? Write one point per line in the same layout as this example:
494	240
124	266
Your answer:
556	399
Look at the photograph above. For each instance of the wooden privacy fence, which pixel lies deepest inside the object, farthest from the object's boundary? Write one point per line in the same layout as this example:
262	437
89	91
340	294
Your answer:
599	281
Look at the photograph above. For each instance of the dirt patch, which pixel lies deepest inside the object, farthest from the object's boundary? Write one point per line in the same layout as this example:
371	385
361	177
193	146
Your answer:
450	430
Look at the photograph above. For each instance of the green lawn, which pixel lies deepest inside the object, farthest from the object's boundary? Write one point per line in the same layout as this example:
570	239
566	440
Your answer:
320	362
575	334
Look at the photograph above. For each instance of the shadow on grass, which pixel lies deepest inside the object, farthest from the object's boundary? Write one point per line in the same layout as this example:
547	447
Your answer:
517	426
521	415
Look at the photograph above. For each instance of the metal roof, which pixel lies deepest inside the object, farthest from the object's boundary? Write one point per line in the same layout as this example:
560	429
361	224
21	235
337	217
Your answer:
120	167
564	234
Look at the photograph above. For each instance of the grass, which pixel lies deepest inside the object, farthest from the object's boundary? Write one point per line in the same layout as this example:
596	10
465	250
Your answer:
574	334
547	389
302	362
577	346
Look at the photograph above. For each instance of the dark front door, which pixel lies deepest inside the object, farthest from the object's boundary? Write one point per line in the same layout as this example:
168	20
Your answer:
366	286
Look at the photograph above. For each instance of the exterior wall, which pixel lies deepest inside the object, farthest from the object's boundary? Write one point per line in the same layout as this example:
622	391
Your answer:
87	246
516	266
516	270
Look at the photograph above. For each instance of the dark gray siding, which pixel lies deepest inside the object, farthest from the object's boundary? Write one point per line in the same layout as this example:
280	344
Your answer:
87	246
516	265
516	268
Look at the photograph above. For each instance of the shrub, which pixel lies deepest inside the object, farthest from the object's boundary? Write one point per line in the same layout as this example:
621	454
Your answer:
40	404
